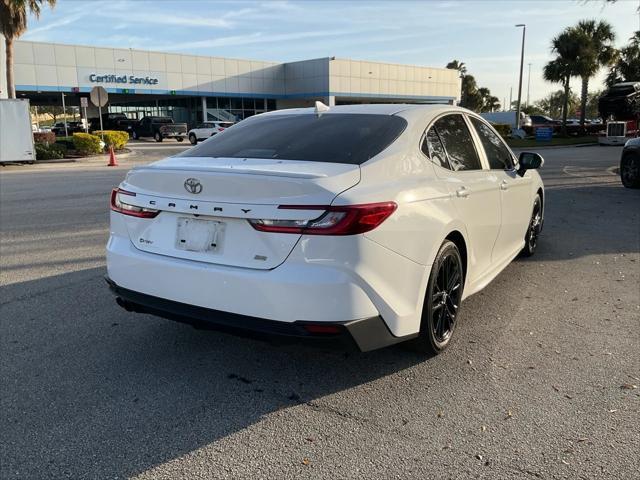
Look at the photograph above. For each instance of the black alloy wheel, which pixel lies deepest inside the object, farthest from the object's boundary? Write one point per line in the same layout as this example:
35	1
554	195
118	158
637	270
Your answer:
442	300
533	232
630	171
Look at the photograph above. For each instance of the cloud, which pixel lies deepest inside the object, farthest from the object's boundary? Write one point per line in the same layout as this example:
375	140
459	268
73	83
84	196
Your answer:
38	31
253	38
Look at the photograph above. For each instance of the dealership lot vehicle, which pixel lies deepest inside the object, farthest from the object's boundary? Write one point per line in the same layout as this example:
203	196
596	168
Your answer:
159	128
193	404
390	214
630	164
206	130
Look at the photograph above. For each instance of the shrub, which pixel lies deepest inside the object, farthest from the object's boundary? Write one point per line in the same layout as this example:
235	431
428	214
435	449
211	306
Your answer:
44	137
503	129
46	151
113	138
67	142
87	144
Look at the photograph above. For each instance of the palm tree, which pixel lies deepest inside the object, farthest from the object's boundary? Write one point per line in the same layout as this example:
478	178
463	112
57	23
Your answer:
567	47
13	23
626	66
462	70
596	52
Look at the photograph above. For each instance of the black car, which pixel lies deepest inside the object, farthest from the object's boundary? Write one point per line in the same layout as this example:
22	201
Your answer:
72	127
630	164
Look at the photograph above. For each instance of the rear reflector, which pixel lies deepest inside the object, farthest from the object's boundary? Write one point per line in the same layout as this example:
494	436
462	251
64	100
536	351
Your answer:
117	205
335	220
323	329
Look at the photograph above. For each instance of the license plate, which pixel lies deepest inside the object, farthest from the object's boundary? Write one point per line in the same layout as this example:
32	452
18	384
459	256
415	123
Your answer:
197	235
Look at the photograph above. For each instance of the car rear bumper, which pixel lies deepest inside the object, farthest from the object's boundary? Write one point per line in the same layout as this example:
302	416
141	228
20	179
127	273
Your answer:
366	334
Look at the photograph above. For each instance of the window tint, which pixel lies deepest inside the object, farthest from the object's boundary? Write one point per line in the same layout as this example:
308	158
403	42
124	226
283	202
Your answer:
497	153
432	147
458	142
336	138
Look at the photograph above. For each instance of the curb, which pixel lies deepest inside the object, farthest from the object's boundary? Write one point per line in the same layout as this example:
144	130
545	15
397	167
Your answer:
548	147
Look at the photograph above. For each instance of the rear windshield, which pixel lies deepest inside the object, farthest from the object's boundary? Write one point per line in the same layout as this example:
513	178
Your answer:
335	138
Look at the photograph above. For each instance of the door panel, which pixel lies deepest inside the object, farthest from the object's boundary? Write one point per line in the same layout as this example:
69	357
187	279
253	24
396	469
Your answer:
517	205
474	191
476	196
515	196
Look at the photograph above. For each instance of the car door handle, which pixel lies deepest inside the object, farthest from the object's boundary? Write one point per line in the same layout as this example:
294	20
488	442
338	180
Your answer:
462	192
504	185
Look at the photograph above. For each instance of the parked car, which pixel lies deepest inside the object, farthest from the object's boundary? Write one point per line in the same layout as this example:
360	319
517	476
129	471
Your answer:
72	127
369	223
206	130
113	121
159	128
630	164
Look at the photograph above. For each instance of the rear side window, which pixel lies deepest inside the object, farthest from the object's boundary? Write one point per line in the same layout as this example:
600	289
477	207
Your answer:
334	138
457	140
497	153
432	147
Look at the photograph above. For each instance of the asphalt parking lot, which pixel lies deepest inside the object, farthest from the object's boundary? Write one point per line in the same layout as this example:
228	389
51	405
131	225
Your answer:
541	380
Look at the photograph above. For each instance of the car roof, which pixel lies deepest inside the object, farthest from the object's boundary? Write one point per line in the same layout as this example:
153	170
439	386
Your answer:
374	109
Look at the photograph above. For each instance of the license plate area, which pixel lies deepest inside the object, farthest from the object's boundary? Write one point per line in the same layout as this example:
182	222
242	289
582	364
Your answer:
197	235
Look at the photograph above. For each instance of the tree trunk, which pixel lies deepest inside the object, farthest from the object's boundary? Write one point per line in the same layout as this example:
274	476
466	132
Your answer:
11	88
565	107
583	102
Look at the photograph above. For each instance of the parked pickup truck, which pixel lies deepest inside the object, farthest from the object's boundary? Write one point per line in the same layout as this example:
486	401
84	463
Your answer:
113	121
159	128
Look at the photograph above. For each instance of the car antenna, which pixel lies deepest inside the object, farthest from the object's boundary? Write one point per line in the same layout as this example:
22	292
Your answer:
321	108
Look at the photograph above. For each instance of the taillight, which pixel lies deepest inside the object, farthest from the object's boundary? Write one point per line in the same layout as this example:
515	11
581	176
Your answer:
118	205
220	129
336	220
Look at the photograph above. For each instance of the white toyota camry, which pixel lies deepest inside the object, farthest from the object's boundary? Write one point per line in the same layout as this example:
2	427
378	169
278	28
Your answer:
369	223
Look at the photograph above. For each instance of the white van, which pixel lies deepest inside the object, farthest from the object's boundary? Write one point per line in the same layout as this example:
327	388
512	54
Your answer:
507	118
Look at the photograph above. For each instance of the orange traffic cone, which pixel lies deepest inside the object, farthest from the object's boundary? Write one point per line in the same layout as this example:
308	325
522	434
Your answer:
112	158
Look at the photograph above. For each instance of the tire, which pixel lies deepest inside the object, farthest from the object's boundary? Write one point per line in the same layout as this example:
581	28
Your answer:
442	300
533	232
179	139
193	139
134	135
157	136
630	171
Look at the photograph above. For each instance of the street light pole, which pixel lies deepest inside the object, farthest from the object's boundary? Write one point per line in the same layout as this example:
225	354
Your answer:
524	30
64	116
528	85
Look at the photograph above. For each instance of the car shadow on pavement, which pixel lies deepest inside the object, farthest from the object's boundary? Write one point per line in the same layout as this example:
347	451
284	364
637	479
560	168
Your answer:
91	390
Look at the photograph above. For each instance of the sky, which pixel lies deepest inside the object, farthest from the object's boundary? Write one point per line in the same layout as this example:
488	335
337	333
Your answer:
480	33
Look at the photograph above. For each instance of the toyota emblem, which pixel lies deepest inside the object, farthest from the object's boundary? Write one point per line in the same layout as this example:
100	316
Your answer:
193	185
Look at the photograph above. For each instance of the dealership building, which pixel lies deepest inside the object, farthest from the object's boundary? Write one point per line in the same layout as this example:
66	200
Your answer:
193	88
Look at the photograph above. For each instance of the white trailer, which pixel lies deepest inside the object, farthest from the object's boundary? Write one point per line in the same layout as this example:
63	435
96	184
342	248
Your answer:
16	137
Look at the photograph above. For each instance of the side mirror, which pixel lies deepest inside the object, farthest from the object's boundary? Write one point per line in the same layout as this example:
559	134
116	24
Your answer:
529	161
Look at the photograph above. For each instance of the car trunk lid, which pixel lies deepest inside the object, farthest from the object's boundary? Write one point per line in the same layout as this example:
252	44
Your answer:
205	205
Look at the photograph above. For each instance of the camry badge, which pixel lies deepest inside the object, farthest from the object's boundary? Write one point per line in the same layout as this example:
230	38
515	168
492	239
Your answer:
192	185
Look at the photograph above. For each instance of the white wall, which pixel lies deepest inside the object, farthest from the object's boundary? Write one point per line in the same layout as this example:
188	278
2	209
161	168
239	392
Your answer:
53	65
361	77
48	65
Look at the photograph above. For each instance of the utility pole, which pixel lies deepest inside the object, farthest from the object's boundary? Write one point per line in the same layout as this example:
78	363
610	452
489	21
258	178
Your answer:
510	97
64	116
529	85
524	30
